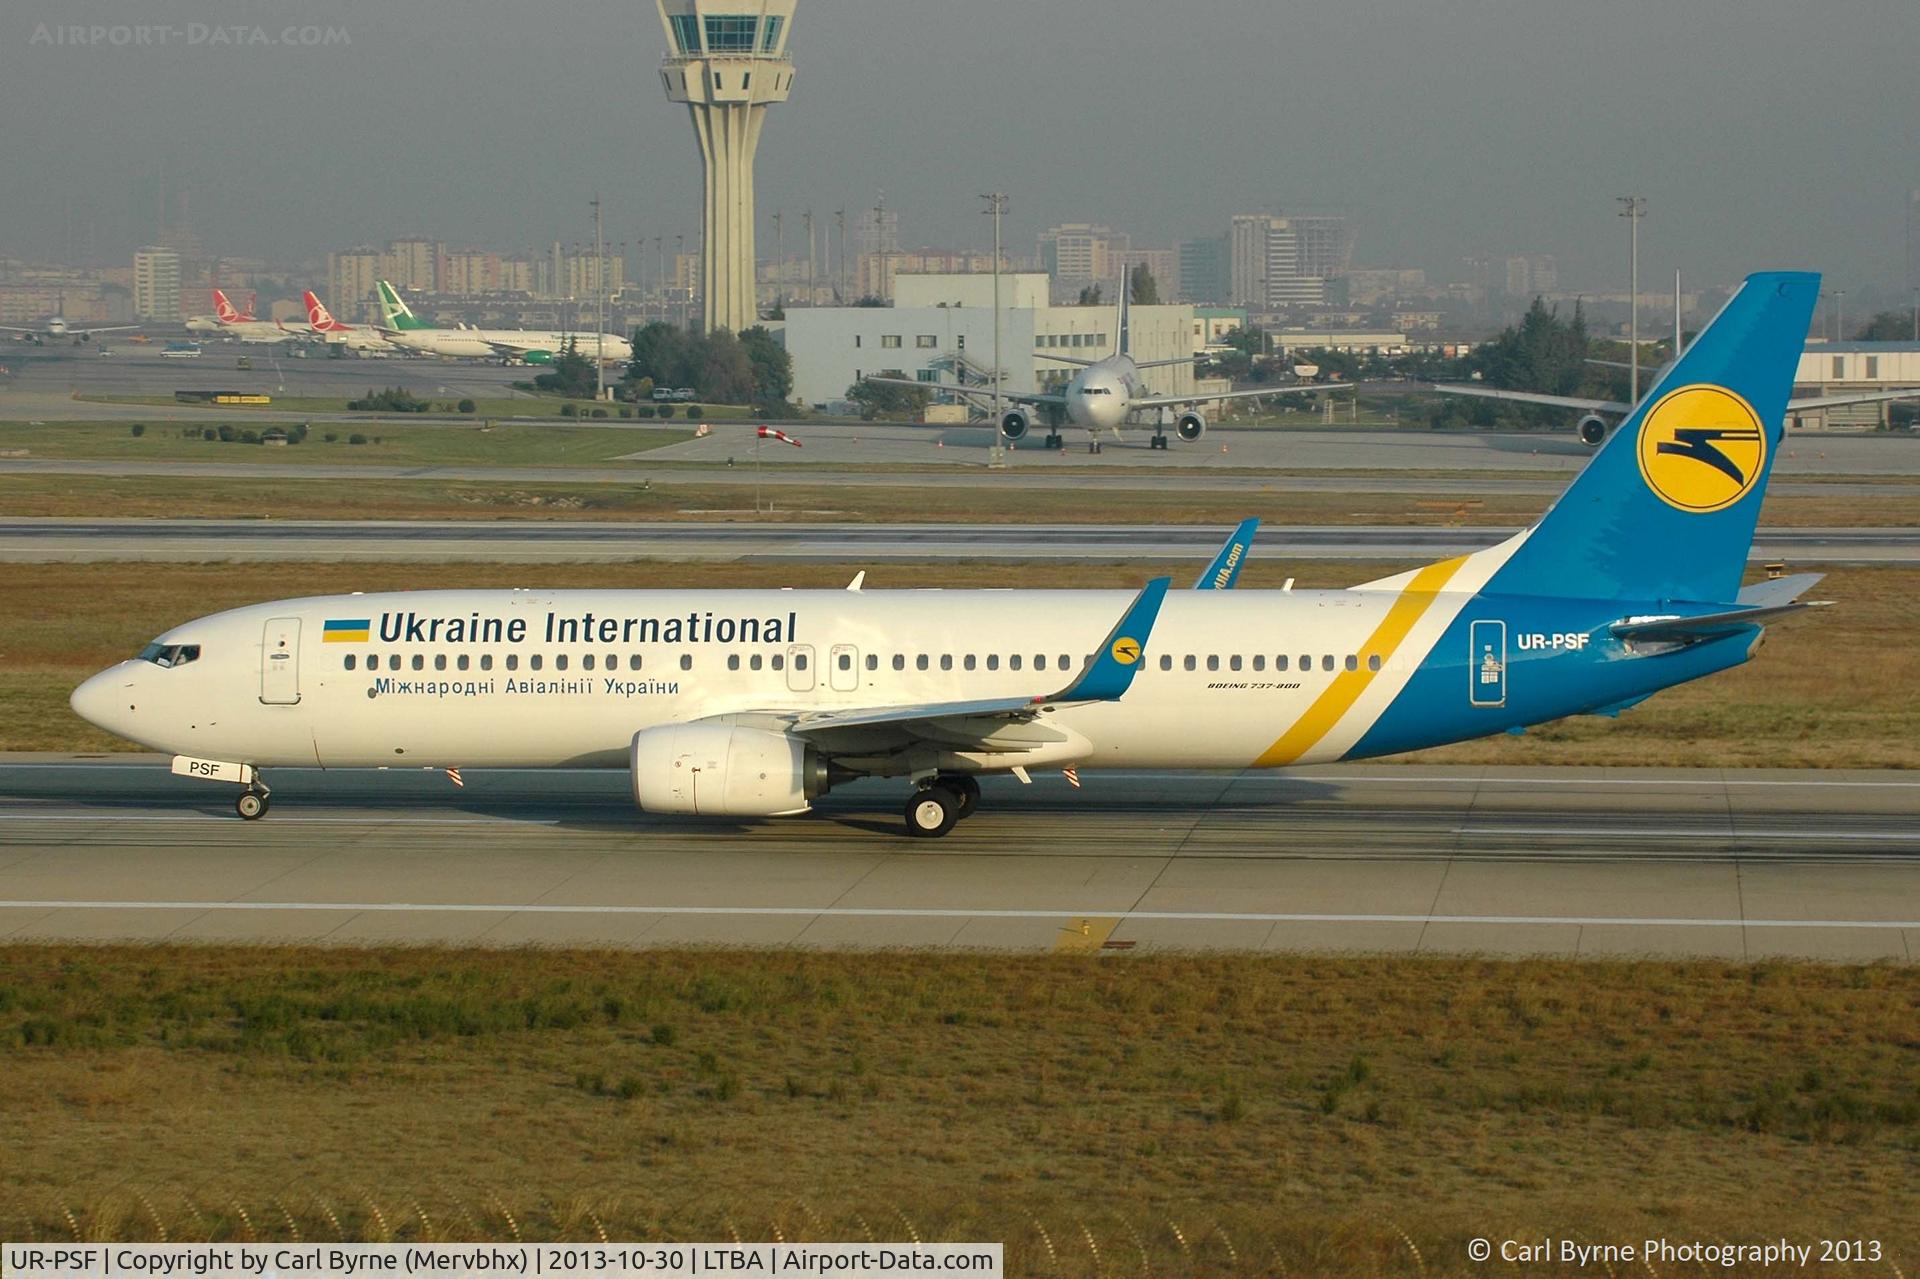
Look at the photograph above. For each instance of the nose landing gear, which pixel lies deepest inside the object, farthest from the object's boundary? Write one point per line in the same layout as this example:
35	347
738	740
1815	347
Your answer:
253	802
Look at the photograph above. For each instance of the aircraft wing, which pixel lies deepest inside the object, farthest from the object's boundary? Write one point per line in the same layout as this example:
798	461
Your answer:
1015	397
9	328
1211	397
1857	397
100	328
1531	397
1069	359
1006	724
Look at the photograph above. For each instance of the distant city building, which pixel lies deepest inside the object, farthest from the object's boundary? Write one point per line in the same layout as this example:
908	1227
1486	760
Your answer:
414	264
1202	274
1280	262
727	67
1162	264
156	283
876	275
970	289
875	230
1532	274
351	274
1080	254
467	272
1370	286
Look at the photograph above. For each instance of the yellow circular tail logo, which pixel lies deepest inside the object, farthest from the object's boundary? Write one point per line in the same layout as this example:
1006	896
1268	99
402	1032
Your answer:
1126	651
1702	448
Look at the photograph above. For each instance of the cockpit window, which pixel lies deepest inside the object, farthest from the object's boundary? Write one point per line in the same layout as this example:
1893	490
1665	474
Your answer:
170	654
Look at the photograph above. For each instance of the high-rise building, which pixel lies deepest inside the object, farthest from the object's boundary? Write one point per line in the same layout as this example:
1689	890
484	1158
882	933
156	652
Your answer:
415	264
727	61
1080	254
1278	262
156	283
1530	275
1203	275
351	274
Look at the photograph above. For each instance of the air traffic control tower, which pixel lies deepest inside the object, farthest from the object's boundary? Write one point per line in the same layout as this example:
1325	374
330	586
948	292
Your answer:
727	60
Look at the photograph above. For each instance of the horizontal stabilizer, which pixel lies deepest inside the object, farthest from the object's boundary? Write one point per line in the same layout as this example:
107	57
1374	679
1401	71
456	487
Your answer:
1687	630
1778	590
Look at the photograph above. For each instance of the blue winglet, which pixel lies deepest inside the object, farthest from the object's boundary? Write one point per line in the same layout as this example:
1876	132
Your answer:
1224	570
1122	652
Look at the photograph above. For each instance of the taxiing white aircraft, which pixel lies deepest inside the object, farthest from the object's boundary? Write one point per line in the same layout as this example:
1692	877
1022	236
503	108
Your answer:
59	326
1107	393
536	346
752	703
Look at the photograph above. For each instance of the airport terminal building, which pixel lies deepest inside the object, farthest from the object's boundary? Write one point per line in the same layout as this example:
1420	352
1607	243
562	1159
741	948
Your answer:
940	329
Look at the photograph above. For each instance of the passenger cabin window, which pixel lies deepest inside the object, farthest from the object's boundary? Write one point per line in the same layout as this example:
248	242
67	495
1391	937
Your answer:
1281	662
560	662
486	661
946	661
778	661
419	662
586	663
1013	662
1166	661
1326	662
633	662
753	662
686	661
733	661
1373	661
1233	663
1190	662
993	661
1353	662
844	661
899	661
968	662
462	662
920	662
513	661
1259	661
439	661
1213	661
350	661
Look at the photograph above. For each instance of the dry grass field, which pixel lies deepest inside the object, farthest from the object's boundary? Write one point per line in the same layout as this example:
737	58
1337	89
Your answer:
1150	1114
1836	689
217	498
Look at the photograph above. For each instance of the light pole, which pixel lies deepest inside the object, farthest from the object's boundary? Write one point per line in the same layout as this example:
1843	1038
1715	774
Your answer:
807	218
1839	315
780	261
600	305
1634	208
840	295
997	209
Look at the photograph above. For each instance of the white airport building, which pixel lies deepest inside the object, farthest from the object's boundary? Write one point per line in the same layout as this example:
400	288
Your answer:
940	329
1837	368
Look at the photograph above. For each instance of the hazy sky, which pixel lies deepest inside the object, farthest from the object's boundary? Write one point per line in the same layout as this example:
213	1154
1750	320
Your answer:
1762	132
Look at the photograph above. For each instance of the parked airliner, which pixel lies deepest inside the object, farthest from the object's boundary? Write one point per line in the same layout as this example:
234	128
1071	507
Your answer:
242	327
1107	393
753	703
536	346
322	325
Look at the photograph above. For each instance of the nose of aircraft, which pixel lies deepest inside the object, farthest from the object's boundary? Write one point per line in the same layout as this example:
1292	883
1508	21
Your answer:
105	700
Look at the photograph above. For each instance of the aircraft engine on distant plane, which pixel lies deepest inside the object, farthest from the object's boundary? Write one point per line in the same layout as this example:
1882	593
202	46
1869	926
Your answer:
537	357
1593	431
724	770
1014	425
1190	426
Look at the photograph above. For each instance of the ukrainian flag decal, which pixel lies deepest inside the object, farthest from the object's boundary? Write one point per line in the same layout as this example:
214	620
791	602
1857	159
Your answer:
347	631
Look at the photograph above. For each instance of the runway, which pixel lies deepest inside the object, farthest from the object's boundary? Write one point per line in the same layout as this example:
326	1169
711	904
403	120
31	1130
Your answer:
1376	857
42	541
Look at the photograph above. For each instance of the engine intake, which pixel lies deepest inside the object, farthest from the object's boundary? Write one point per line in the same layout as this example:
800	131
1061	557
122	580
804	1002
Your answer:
724	770
1014	424
1190	426
1593	431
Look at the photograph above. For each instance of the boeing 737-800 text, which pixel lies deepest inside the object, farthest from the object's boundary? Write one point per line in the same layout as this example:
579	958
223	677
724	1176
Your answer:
753	703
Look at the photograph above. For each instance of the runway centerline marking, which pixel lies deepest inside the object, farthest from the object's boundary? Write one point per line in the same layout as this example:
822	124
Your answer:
909	912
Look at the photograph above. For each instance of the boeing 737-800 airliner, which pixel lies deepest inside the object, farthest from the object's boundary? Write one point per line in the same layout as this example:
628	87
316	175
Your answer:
754	703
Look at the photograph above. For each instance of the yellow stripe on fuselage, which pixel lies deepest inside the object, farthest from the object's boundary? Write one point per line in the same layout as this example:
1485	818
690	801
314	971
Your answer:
1347	686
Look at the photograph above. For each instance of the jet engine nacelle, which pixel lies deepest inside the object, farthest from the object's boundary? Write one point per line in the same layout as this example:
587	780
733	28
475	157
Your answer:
1190	426
724	770
537	357
1593	431
1014	424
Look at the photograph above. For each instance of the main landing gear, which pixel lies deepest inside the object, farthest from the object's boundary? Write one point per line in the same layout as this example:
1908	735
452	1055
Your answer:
933	809
1158	441
253	801
1053	440
1093	446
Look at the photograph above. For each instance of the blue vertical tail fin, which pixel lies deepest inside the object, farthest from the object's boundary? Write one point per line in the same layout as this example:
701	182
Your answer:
1666	509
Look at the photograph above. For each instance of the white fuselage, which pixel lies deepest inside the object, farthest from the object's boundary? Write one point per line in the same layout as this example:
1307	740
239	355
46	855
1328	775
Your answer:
517	685
1101	395
256	331
482	344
